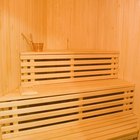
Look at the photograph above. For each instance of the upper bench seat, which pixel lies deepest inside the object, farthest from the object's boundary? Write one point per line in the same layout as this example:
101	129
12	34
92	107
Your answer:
67	88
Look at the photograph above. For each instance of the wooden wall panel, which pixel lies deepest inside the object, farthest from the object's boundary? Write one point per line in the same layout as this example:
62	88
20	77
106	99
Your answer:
84	20
0	49
4	49
107	24
131	47
22	16
58	24
130	50
70	24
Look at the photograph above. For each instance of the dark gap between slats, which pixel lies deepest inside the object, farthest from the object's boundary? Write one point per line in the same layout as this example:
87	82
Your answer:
51	124
94	64
91	75
52	66
46	111
102	108
31	98
103	114
101	69
72	100
49	103
55	78
40	60
103	58
107	94
47	118
54	72
96	103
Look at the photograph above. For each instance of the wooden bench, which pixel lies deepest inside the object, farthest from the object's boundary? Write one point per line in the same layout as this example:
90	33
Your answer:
85	100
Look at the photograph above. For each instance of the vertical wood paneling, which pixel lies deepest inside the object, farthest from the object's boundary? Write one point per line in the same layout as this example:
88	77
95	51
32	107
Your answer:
79	24
1	9
84	22
70	24
22	16
4	45
131	47
58	24
109	11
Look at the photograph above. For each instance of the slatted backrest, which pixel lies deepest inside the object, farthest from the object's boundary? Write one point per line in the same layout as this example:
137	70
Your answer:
32	115
44	68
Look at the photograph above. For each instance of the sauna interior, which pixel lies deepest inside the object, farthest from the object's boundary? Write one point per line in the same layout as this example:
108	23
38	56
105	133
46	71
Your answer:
65	26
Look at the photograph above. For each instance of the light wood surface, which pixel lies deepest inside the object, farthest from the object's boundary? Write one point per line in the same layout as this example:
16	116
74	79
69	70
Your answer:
72	103
86	130
56	106
70	52
112	25
72	87
41	68
61	22
94	114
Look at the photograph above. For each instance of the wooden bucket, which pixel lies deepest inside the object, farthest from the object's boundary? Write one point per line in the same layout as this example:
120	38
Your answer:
37	47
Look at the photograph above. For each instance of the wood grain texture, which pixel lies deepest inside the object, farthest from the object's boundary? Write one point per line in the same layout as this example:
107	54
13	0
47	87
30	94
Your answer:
60	25
51	113
70	24
47	68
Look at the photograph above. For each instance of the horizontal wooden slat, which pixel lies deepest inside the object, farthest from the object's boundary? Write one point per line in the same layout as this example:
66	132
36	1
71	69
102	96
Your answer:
100	126
40	65
98	121
122	129
88	133
61	56
46	63
104	61
41	115
96	56
33	109
45	99
107	98
106	110
94	72
93	134
84	52
57	63
36	116
54	75
26	84
65	74
100	77
106	104
74	87
130	136
53	81
95	67
62	131
67	68
49	69
39	123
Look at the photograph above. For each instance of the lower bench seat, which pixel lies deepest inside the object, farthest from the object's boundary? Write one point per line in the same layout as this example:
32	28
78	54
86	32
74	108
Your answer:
91	110
122	127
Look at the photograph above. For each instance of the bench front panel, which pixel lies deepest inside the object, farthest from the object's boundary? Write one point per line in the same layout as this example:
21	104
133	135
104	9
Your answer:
55	68
28	116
